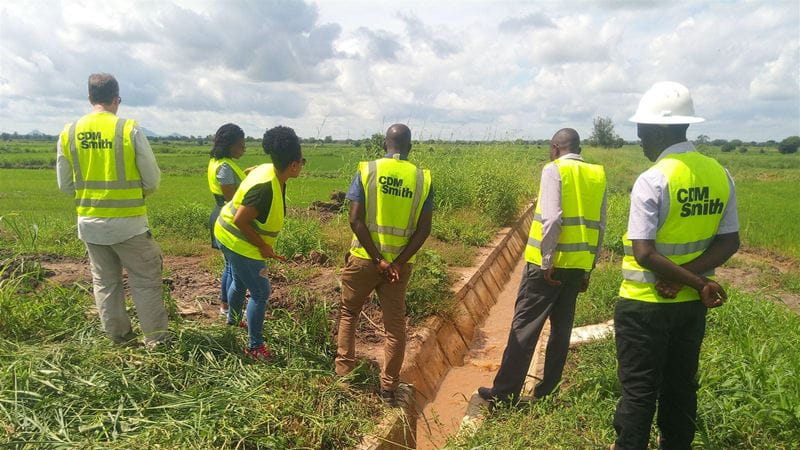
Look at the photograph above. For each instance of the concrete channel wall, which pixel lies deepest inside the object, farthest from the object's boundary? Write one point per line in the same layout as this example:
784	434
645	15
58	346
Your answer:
445	340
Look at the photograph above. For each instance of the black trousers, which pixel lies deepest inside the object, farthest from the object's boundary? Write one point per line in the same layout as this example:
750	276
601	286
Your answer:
536	302
658	351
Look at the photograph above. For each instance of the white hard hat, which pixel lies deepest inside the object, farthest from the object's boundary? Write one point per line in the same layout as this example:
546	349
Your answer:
666	103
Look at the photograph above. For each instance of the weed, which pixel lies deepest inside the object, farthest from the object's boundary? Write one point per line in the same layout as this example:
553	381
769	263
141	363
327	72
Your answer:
429	287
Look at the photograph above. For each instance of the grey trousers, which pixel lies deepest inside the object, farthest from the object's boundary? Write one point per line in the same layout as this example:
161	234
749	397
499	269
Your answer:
141	258
536	302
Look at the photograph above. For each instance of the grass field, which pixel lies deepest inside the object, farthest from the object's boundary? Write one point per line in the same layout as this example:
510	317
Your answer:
57	385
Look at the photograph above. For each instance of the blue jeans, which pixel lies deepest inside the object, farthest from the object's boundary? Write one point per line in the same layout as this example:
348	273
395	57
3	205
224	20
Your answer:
247	274
227	279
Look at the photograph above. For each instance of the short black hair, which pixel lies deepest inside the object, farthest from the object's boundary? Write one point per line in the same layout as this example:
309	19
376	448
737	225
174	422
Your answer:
225	138
103	88
283	145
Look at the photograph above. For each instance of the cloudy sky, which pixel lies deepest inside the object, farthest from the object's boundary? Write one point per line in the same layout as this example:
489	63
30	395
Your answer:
460	70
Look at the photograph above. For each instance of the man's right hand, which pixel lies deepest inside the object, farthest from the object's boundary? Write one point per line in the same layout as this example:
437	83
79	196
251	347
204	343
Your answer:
389	270
712	295
548	277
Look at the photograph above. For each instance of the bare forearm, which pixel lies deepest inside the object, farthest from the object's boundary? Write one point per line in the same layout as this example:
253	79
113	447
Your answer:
414	244
365	238
250	233
721	249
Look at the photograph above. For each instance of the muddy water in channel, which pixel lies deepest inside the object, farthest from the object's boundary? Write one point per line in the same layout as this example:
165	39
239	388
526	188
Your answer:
443	415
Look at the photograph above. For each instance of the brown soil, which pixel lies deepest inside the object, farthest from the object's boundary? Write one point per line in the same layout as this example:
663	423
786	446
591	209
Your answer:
196	292
749	275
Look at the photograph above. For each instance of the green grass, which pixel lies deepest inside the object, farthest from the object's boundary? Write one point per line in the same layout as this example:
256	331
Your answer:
62	383
749	395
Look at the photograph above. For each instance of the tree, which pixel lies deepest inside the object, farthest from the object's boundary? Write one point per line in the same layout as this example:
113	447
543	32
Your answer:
328	139
603	132
702	139
728	147
789	145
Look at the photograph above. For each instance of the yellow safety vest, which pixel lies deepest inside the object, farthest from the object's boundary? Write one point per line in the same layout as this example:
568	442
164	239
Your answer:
99	148
395	191
213	167
582	188
229	234
698	195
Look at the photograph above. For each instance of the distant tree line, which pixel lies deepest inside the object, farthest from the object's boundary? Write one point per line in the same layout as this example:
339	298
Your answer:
603	135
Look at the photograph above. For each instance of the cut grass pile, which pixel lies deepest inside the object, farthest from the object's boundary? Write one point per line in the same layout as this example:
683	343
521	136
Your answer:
749	395
62	383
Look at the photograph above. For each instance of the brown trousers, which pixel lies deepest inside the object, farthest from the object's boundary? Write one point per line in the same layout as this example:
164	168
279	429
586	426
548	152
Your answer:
359	278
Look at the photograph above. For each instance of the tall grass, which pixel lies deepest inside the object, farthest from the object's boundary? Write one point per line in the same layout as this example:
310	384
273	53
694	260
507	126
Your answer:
429	287
749	395
63	384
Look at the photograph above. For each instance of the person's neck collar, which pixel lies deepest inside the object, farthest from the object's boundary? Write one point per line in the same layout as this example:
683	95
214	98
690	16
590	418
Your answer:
678	147
396	155
570	155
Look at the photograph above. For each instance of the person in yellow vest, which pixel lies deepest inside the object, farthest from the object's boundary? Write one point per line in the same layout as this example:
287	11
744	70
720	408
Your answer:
106	163
391	205
224	176
247	228
682	225
565	237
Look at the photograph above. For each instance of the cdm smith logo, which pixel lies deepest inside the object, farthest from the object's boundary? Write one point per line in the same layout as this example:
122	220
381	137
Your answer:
394	186
93	140
696	202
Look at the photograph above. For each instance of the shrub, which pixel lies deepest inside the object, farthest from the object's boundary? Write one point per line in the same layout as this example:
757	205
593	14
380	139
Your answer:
789	145
742	149
464	226
429	287
300	237
728	147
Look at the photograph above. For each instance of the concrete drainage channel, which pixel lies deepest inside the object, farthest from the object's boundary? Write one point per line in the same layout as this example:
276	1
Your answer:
461	352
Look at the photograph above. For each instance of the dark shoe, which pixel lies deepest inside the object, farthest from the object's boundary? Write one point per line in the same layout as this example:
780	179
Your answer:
388	397
486	394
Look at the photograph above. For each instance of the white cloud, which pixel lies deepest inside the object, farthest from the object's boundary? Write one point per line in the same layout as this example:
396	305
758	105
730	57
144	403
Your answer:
467	70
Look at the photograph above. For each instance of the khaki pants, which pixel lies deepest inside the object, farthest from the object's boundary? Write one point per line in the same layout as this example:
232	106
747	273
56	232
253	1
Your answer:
359	279
141	258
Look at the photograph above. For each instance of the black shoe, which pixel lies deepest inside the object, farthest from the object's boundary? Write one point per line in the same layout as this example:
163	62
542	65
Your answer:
486	394
388	397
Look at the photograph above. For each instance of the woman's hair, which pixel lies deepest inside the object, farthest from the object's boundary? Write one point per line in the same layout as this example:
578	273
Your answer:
283	145
227	135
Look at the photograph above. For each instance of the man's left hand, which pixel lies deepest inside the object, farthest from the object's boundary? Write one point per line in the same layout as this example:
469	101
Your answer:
548	277
668	289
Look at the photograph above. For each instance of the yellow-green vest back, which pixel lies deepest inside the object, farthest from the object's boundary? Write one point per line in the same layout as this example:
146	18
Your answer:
583	186
395	191
99	148
229	235
211	173
698	196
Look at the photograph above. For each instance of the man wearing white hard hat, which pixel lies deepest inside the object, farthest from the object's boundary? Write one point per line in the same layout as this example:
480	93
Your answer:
682	225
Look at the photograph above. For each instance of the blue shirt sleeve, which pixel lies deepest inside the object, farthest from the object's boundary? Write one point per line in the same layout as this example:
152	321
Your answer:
356	191
428	205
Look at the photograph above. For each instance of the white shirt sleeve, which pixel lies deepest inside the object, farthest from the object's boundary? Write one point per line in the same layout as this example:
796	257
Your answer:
64	171
550	189
730	218
646	200
145	162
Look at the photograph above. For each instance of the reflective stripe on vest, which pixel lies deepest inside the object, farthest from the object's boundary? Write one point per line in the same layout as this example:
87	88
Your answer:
100	192
211	174
583	187
686	232
392	209
226	231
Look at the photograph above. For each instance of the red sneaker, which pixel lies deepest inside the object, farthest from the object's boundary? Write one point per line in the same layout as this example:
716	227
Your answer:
260	353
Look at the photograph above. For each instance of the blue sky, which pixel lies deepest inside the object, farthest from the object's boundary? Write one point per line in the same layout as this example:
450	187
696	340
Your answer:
461	70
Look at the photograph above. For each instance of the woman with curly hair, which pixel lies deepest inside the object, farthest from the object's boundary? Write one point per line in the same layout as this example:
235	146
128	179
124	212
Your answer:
247	228
224	176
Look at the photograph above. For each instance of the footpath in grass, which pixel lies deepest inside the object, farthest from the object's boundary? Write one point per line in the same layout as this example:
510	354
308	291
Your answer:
749	395
62	383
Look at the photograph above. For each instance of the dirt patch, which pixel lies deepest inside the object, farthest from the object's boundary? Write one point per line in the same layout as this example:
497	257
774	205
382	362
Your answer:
748	274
